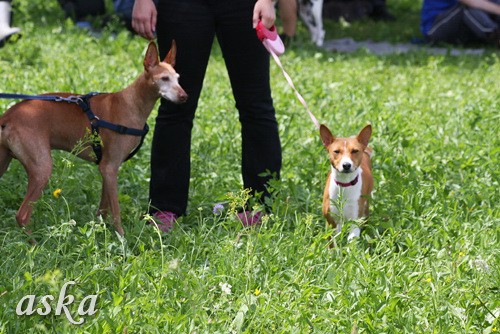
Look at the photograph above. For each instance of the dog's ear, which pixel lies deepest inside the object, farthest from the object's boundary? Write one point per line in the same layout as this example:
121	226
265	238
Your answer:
170	58
364	135
326	135
151	59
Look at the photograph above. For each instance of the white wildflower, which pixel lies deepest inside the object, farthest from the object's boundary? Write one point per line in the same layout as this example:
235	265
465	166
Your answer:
480	264
225	288
490	317
174	264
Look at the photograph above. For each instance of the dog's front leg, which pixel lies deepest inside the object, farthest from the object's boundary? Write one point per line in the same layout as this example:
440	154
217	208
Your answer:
104	205
326	210
109	198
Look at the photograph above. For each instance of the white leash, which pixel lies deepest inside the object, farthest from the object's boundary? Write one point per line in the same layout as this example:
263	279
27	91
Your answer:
274	45
290	82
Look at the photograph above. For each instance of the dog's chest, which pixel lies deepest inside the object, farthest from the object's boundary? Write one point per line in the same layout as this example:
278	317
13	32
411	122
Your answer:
344	200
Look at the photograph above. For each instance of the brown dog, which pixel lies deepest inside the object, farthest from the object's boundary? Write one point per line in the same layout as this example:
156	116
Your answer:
31	129
350	181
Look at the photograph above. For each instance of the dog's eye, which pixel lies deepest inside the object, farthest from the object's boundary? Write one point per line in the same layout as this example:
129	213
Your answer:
354	151
165	78
336	151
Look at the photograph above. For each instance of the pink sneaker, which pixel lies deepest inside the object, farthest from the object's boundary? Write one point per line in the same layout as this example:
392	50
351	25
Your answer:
248	218
165	220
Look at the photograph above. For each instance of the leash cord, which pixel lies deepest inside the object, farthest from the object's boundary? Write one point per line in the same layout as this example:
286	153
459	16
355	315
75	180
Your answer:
290	82
83	102
70	99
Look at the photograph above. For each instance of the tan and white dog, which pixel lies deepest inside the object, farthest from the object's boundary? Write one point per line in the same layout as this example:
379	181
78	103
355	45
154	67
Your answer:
350	181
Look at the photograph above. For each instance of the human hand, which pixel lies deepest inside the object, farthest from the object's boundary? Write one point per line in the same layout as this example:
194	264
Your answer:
144	18
486	5
264	11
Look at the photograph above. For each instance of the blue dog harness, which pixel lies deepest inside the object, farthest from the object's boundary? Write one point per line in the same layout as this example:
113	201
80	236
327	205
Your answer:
84	102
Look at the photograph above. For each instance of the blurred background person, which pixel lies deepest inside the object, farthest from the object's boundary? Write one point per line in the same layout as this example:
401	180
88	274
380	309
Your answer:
461	21
287	10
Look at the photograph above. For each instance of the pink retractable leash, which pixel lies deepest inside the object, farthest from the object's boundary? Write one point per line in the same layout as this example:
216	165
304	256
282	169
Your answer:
272	42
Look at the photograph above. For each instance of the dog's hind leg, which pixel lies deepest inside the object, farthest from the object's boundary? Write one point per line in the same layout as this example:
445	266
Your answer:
39	168
5	156
5	159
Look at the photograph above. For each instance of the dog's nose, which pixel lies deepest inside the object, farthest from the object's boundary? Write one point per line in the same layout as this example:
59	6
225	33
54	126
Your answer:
183	97
346	166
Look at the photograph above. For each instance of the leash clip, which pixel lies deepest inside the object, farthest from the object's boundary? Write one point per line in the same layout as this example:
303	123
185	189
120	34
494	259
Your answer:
270	38
69	99
94	120
74	99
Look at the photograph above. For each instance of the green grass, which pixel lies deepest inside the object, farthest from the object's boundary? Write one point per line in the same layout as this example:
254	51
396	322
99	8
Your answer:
428	262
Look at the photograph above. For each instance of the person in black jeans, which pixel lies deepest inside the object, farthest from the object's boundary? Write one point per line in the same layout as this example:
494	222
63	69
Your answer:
194	24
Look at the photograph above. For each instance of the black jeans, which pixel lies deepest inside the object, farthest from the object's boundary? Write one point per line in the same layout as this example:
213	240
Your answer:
194	24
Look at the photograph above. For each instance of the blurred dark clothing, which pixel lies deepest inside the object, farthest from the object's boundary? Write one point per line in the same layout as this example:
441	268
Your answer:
79	10
352	10
449	21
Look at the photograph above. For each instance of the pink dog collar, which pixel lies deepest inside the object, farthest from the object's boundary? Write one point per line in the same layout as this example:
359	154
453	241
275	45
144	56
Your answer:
270	38
348	184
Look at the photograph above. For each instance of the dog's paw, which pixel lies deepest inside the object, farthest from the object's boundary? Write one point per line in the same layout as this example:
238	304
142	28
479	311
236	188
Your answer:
355	233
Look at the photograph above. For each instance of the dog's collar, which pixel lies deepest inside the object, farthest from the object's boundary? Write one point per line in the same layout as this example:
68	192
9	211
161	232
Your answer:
348	184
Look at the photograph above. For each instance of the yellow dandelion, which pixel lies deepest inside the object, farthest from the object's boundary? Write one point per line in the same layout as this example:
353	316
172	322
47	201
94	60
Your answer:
428	280
57	193
461	254
256	292
494	329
